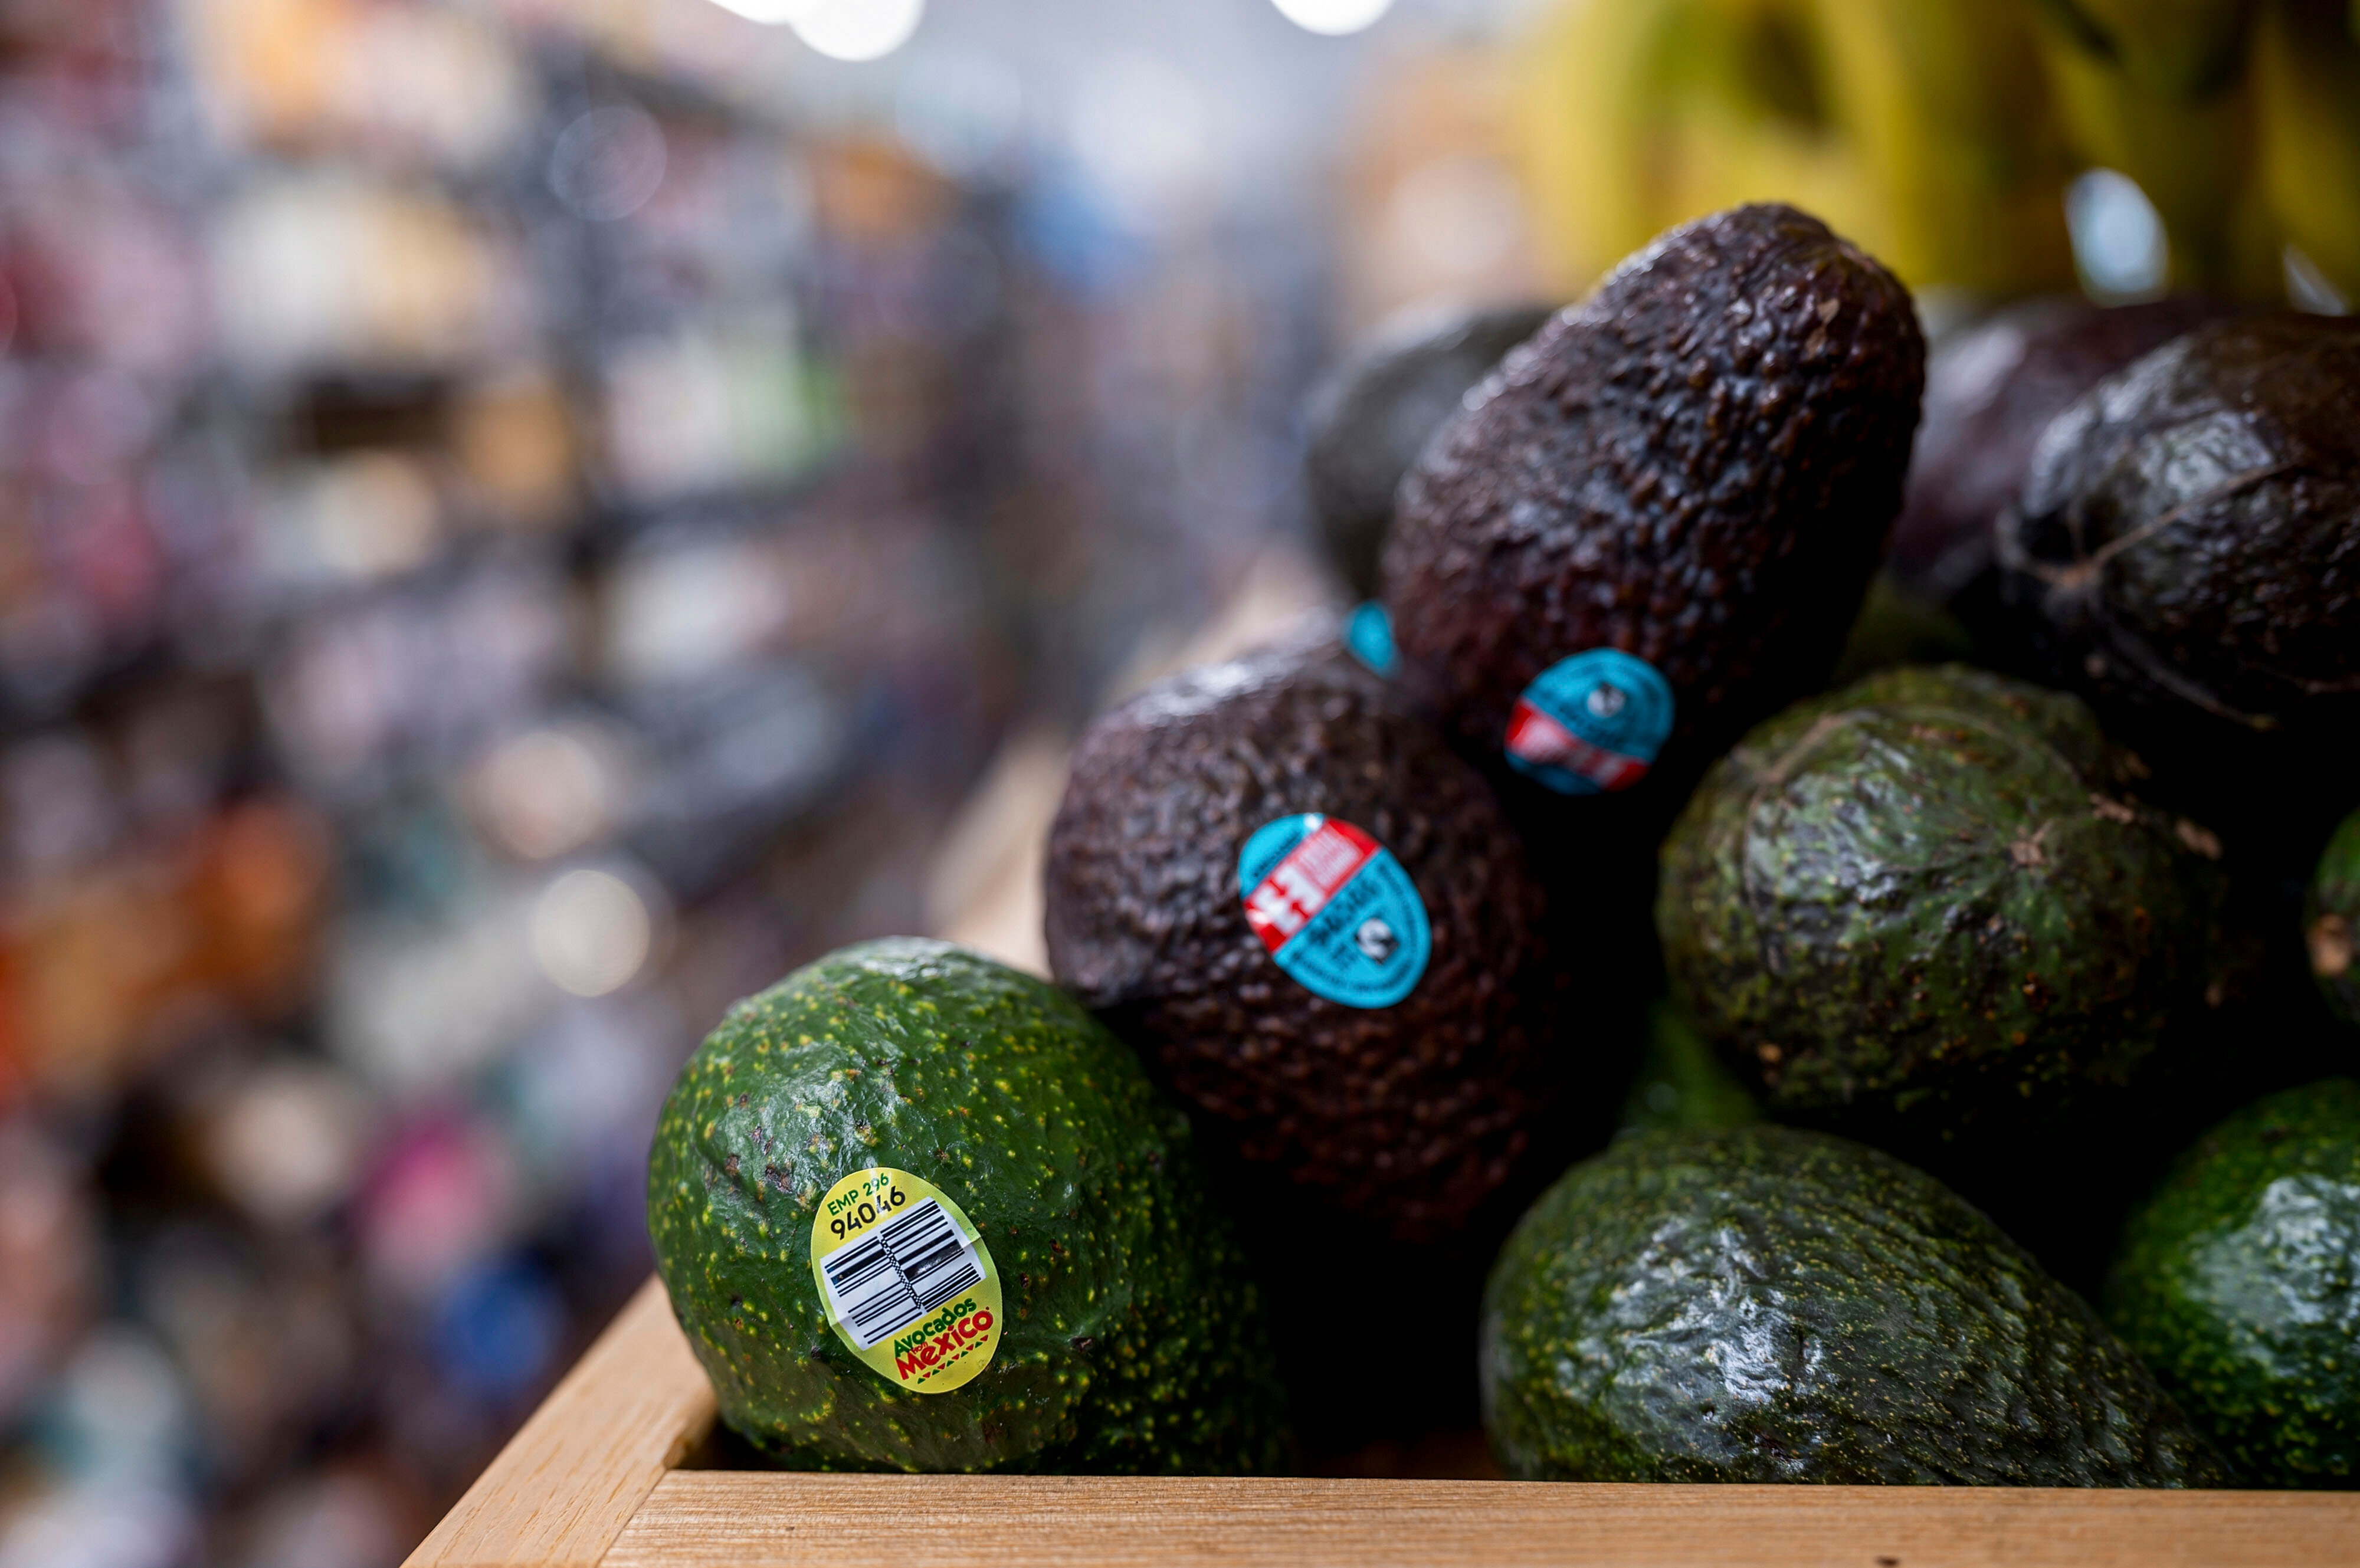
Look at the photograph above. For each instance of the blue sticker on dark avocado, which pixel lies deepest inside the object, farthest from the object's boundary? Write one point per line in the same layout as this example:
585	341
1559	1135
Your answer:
1336	909
1591	724
1369	635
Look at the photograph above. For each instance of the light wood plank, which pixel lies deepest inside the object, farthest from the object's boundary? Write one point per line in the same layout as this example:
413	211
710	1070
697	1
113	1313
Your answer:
565	1486
718	1518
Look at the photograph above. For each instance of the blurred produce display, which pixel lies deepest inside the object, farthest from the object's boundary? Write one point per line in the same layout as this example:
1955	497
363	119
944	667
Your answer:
520	522
1988	146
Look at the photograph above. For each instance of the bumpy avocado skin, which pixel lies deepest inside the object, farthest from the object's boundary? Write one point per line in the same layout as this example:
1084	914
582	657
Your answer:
1697	465
2187	556
1136	1341
1368	420
1764	1303
2331	921
2239	1283
1929	902
1406	1117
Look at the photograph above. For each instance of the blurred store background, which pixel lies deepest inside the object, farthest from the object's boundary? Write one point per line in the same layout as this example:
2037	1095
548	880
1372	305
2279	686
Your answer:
521	520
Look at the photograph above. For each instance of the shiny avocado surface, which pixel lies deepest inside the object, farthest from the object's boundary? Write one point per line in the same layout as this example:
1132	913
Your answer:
2186	555
2239	1283
1767	1304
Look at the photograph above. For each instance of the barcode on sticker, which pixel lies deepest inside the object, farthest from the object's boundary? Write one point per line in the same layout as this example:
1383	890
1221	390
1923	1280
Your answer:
880	1285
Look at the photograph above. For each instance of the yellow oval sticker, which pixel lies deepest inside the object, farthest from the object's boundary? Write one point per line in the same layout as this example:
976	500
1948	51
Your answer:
908	1282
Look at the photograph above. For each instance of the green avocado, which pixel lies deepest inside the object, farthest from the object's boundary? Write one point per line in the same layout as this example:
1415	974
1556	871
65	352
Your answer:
2331	921
1681	1083
1765	1303
2239	1283
1693	468
1930	902
1132	1340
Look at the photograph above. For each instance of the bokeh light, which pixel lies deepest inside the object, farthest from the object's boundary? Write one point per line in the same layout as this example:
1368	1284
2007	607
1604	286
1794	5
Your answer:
2118	239
857	30
1333	17
591	932
770	13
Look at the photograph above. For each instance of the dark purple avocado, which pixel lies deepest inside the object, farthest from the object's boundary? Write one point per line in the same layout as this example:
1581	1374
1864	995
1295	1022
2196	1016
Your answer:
1406	1117
1697	465
1991	390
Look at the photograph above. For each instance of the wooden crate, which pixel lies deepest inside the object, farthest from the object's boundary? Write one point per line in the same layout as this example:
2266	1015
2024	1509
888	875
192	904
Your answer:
593	1480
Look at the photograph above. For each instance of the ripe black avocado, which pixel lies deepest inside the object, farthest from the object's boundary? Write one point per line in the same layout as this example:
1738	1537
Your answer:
1406	1116
1765	1303
1991	390
2186	555
1369	419
1695	466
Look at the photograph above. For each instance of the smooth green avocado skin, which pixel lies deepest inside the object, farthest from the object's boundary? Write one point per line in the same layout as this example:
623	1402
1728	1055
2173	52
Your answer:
1768	1304
1134	1341
1928	901
2331	921
2239	1282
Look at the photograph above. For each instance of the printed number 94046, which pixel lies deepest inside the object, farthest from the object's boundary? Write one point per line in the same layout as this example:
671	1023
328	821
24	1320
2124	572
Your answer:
864	1212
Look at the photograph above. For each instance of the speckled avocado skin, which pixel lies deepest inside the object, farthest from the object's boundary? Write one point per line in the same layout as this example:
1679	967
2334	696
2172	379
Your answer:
1764	1303
1696	465
2331	921
1407	1116
1135	1342
1931	900
2239	1283
2187	550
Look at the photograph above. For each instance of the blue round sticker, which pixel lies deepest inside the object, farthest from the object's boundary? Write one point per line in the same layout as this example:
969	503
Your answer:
1335	908
1591	724
1369	637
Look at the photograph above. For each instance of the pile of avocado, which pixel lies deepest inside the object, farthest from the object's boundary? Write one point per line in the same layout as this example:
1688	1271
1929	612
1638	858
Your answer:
1727	1069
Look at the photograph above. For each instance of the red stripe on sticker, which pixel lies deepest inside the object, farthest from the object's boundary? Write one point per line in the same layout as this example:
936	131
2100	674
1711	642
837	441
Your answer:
1300	885
1542	741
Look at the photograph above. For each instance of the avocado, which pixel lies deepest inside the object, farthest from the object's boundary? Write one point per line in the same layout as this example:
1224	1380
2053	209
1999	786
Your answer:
2186	555
1653	523
2331	921
1368	421
1931	902
1071	1287
1766	1304
1381	1039
2239	1283
1991	390
1681	1082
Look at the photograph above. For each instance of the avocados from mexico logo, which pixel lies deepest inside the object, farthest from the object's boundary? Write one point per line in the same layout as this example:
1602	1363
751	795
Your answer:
909	1283
1591	724
1335	908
